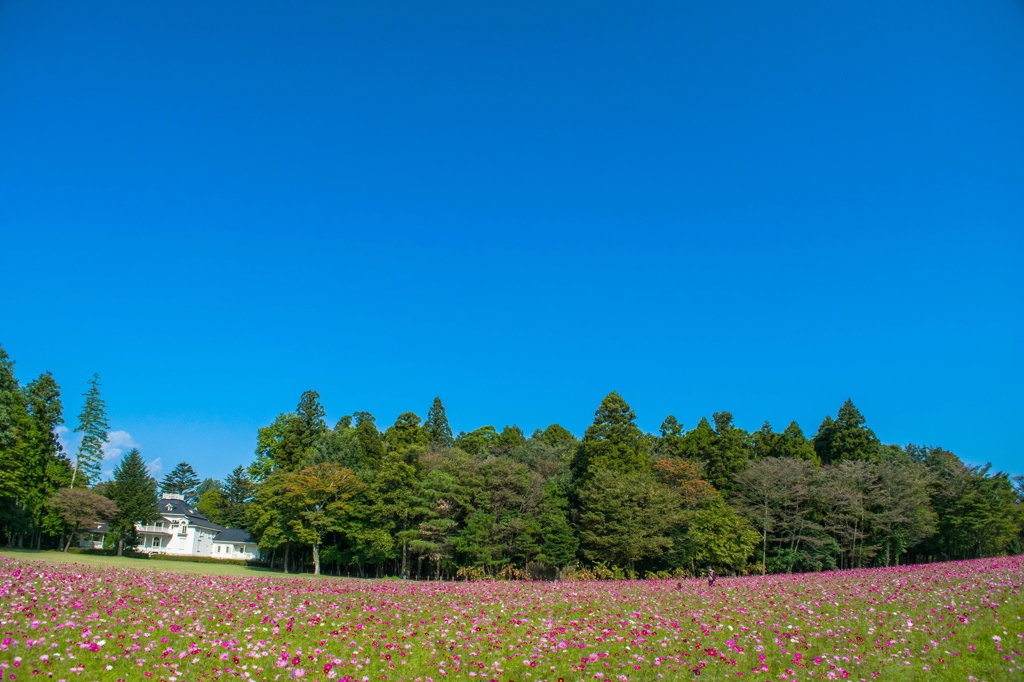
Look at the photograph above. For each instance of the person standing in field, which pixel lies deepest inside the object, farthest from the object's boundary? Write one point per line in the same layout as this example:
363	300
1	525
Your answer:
711	577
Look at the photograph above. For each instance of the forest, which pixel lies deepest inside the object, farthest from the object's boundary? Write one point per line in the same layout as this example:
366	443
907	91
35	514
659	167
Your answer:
417	501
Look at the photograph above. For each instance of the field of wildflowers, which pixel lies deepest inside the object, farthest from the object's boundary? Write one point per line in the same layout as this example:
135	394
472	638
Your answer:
947	621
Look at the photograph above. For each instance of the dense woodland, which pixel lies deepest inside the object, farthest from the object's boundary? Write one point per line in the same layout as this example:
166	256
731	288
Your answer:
418	501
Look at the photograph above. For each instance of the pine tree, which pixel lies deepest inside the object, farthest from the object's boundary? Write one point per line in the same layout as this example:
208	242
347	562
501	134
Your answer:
437	425
181	481
92	423
237	493
134	493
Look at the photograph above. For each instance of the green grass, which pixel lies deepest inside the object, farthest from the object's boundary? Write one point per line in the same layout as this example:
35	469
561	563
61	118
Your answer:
142	564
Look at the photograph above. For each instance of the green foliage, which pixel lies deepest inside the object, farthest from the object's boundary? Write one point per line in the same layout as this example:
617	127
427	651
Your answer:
14	427
317	500
493	504
846	438
370	441
211	505
555	435
672	441
406	433
182	480
93	425
291	440
559	544
720	537
613	442
438	430
202	559
236	494
479	442
134	492
625	517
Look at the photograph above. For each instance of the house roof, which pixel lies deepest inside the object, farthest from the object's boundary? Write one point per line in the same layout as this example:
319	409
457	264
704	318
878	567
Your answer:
172	507
175	507
233	535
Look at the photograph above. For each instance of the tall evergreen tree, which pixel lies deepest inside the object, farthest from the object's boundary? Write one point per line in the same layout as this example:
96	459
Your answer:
14	428
671	443
46	466
729	454
237	493
793	444
846	438
182	481
93	424
311	419
369	439
437	425
292	439
134	492
613	442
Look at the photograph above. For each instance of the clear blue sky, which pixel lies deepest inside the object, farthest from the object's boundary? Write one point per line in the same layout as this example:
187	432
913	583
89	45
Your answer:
761	207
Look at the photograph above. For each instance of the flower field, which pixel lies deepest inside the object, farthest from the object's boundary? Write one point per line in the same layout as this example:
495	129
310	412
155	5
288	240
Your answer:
947	621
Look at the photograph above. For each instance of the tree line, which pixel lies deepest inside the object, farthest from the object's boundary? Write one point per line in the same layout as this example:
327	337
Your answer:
416	500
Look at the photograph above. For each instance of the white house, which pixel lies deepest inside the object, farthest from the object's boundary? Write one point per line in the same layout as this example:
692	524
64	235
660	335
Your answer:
183	531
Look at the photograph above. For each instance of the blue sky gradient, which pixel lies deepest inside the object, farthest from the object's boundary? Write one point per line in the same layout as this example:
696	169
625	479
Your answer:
757	207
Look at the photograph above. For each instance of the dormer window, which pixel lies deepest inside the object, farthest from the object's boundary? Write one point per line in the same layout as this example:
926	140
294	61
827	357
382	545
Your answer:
169	507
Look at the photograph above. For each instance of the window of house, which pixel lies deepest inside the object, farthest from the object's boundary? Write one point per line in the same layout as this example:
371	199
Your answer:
159	524
230	547
156	542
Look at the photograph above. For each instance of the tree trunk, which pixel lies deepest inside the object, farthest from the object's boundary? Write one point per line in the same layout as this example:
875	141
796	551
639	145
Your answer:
316	559
120	544
70	535
764	546
405	558
287	548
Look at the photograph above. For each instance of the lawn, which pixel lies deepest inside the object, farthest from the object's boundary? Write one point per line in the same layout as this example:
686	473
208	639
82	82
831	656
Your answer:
139	564
104	619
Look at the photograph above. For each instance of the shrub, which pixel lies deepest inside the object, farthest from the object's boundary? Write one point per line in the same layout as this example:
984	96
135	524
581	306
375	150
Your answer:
209	560
107	552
